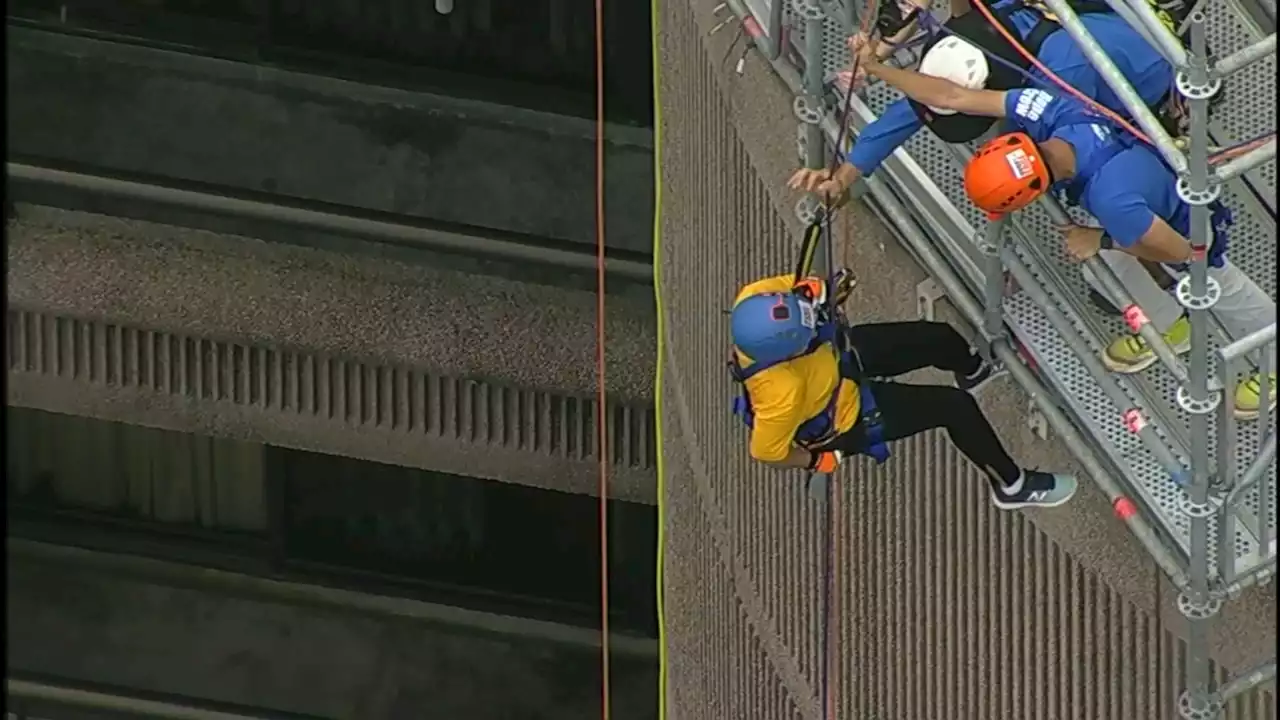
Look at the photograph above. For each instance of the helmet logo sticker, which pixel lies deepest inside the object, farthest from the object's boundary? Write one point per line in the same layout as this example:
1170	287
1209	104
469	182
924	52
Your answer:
808	317
1020	163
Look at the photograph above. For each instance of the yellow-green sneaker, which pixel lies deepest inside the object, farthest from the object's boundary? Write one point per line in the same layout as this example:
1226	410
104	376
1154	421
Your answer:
1249	396
1131	354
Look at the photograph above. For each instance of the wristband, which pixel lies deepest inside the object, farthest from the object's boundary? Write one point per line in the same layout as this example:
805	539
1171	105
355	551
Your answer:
1106	242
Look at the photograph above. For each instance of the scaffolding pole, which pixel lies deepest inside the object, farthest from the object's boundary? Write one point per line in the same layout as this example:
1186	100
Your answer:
1248	161
1130	415
1258	474
1107	69
1245	56
1198	292
991	245
1248	681
1143	18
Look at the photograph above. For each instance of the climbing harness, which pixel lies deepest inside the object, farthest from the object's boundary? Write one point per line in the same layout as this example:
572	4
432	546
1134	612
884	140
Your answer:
821	429
830	329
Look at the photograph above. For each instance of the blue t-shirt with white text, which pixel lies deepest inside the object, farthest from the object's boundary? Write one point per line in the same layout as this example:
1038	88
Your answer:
1128	191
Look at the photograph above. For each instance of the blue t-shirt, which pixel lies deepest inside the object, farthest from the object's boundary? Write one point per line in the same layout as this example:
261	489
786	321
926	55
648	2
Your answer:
1144	68
1129	190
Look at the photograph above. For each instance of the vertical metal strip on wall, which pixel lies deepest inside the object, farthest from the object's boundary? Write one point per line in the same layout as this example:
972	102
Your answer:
949	609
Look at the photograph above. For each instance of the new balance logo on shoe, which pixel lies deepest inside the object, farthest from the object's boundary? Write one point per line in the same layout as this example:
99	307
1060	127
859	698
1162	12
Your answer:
1038	496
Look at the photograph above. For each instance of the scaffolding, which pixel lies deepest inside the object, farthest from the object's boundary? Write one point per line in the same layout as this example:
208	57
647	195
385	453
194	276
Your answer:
1194	485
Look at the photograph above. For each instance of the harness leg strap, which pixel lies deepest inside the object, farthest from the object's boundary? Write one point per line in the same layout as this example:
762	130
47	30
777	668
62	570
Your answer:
872	426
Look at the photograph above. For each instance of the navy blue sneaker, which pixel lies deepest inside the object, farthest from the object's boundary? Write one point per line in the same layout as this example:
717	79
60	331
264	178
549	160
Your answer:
1039	490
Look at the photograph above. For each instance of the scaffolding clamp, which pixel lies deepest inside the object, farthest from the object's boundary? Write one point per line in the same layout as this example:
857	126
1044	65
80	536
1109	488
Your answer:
928	292
1193	509
807	209
1198	608
1212	191
1196	91
1199	705
1212	293
808	110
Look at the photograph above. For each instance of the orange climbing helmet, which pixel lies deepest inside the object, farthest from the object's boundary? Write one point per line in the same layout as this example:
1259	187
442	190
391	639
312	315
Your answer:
1006	174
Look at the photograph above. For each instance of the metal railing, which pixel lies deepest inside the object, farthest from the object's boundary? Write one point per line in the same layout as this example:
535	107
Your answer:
1256	485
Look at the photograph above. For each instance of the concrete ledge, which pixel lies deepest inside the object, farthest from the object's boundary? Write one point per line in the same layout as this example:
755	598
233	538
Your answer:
177	115
172	279
179	575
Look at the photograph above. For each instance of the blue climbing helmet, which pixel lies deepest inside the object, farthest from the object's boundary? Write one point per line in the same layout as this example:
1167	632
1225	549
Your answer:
772	327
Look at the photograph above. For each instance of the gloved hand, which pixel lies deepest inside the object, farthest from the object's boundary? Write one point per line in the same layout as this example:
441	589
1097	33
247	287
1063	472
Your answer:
826	462
894	16
812	289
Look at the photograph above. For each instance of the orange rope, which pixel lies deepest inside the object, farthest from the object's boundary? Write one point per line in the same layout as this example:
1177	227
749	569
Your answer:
602	416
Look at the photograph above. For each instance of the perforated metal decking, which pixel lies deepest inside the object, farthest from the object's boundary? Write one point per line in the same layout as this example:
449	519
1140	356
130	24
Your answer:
920	193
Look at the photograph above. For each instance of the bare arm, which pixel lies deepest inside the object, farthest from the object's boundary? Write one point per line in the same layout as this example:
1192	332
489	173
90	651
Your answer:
940	93
1161	244
960	7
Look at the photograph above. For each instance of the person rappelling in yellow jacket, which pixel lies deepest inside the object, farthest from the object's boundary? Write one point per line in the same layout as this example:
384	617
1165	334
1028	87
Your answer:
816	391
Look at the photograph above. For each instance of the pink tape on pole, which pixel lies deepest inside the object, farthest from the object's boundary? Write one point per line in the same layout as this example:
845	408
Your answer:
1124	508
754	31
1135	318
1198	252
1134	421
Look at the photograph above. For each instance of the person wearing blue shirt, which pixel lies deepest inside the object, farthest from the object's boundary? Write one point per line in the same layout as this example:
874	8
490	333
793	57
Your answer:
1058	144
1145	69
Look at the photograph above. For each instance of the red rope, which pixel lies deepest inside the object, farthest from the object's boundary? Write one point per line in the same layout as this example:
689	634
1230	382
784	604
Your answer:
602	416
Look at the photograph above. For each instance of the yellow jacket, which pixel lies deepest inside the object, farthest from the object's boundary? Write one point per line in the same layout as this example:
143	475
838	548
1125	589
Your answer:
786	395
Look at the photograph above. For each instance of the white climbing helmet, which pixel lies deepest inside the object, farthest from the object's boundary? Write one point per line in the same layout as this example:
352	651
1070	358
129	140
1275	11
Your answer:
957	60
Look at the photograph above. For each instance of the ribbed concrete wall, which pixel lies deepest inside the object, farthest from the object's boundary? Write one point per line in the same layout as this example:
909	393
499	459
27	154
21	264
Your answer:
231	337
947	608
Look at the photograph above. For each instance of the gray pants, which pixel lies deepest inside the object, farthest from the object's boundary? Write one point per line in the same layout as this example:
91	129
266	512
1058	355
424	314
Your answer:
1242	308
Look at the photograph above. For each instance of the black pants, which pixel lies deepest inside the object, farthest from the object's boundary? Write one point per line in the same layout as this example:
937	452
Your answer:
891	349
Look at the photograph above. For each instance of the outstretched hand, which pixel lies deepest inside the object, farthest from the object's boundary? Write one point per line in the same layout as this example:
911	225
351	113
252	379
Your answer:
857	75
868	55
819	181
1082	242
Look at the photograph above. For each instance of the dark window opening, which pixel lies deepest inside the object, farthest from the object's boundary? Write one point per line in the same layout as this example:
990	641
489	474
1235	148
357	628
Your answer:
308	517
548	47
